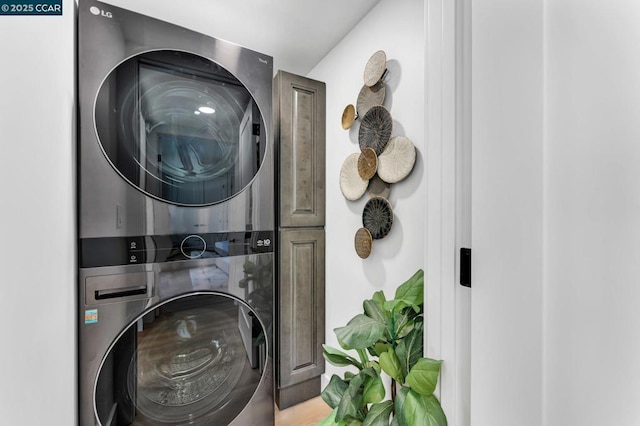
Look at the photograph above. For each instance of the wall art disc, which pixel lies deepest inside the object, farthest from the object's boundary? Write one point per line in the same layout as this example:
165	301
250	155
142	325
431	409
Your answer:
367	163
378	188
375	129
397	160
377	217
348	116
351	184
363	242
376	66
370	97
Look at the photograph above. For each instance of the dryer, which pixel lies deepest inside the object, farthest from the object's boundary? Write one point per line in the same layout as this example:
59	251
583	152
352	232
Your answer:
175	224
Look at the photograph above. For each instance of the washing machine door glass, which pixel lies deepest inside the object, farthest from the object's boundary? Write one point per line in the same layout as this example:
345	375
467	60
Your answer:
180	127
192	360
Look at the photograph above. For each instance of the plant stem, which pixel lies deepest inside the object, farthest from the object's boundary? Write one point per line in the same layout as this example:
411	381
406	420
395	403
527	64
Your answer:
393	329
364	358
393	391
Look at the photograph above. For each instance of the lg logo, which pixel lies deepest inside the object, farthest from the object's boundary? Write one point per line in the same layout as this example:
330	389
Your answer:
96	11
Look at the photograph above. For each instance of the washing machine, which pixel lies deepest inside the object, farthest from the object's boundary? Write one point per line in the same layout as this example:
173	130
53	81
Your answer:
175	225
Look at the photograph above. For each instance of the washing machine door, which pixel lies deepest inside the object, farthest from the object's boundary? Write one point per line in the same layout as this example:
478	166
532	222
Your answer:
179	127
191	360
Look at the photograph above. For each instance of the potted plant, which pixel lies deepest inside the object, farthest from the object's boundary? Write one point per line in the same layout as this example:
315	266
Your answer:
388	340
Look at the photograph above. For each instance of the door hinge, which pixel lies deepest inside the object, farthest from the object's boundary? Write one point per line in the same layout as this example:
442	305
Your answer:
465	267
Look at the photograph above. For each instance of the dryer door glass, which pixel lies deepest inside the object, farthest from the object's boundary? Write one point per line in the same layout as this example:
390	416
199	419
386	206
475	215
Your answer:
191	360
180	127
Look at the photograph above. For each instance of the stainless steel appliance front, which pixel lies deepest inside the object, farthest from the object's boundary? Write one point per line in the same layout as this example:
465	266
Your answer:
177	343
176	223
174	129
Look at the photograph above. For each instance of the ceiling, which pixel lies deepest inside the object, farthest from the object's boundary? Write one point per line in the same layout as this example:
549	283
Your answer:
296	33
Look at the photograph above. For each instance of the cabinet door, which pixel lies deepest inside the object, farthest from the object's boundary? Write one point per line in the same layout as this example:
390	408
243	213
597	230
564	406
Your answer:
301	305
300	113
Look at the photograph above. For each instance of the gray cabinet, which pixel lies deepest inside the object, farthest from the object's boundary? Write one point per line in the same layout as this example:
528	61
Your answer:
301	305
300	115
299	126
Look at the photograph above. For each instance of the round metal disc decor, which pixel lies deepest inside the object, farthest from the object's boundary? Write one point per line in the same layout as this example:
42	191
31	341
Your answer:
377	217
379	188
351	184
348	116
375	129
397	160
370	97
363	242
367	163
376	66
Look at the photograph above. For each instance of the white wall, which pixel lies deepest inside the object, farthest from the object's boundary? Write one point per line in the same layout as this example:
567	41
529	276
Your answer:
398	29
556	213
592	213
507	175
37	256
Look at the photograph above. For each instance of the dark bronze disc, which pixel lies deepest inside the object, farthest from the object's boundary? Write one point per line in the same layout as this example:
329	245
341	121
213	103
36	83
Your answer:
375	129
377	217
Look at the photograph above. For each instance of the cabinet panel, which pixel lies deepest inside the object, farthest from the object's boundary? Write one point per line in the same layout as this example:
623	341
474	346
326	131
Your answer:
301	332
301	112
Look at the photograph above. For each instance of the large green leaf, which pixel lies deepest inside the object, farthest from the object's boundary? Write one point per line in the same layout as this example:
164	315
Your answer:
420	410
348	375
331	420
350	404
332	393
423	377
373	365
378	414
401	396
409	350
379	299
379	348
391	365
338	358
373	310
361	332
406	319
373	390
412	291
368	372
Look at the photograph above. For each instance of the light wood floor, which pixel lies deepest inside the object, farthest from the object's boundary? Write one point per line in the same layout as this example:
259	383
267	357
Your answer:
308	413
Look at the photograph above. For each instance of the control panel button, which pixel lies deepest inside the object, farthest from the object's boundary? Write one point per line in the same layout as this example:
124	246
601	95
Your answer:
193	246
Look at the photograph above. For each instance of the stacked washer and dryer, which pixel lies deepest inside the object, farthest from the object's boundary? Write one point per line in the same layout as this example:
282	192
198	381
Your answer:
176	225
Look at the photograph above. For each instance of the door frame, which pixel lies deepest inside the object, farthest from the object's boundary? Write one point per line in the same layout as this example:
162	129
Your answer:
448	199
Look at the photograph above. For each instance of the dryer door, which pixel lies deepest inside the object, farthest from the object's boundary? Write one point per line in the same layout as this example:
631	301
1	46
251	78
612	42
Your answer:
180	128
185	361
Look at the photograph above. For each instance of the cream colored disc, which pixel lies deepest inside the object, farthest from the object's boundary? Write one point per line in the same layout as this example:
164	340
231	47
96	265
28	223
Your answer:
397	160
375	67
351	184
370	97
